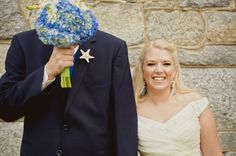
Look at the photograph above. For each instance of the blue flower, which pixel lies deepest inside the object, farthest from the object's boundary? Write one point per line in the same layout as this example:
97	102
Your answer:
64	24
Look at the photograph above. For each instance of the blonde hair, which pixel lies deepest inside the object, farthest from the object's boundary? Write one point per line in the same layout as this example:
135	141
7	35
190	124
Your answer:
138	80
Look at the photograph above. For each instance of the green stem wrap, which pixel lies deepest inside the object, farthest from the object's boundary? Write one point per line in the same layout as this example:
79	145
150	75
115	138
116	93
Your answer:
65	78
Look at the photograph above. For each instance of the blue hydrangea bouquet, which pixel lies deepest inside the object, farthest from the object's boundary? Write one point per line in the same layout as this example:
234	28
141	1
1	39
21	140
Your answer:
63	23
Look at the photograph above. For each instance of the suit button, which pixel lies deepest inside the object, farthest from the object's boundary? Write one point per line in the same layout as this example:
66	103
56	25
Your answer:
65	127
59	152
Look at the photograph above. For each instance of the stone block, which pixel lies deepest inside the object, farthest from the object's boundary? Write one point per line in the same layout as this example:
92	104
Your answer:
10	138
185	28
221	26
12	19
3	52
156	4
122	20
230	154
109	0
228	141
131	1
204	3
134	53
219	85
29	16
208	56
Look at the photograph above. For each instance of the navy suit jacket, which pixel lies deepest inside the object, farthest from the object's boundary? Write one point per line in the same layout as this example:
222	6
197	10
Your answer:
96	117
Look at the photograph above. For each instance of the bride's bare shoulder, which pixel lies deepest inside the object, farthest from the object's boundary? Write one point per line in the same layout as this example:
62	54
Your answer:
193	96
187	98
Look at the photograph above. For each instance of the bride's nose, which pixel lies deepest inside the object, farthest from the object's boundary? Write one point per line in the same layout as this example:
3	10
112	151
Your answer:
159	68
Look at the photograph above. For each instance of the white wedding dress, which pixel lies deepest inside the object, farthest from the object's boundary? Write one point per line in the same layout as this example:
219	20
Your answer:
178	136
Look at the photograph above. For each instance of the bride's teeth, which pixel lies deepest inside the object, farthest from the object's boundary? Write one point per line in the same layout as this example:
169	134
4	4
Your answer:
159	78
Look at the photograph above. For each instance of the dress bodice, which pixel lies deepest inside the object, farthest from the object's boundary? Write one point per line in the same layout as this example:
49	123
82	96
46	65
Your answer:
178	136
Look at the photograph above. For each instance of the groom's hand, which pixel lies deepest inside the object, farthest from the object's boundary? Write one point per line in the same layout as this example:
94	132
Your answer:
59	60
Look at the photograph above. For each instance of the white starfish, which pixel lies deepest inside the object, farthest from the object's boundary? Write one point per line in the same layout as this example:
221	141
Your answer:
86	55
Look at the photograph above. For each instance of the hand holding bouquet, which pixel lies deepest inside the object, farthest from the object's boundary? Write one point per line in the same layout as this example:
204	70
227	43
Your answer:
64	23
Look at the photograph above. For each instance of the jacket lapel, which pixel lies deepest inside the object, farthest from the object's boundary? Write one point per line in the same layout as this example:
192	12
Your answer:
80	68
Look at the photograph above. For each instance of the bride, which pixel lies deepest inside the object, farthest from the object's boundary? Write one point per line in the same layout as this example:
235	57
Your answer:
172	119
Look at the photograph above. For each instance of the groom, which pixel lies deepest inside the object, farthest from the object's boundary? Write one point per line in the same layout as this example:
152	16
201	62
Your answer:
96	117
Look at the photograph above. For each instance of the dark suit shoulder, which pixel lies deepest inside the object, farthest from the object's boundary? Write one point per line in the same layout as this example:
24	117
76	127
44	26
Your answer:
100	35
28	38
29	33
110	44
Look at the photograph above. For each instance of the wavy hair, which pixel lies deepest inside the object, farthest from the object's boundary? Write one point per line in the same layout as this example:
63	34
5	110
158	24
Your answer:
138	80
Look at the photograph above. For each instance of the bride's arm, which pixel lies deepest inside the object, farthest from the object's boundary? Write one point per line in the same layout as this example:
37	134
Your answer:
209	142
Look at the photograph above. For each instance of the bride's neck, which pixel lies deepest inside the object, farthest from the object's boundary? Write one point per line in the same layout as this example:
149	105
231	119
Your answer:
159	97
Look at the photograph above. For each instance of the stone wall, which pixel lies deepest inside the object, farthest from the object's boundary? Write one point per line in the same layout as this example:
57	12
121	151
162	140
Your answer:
204	30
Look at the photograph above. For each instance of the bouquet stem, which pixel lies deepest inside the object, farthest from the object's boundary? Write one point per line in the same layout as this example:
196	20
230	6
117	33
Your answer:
65	78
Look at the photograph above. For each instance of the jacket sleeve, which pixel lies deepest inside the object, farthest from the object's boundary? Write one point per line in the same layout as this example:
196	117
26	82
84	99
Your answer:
17	86
125	116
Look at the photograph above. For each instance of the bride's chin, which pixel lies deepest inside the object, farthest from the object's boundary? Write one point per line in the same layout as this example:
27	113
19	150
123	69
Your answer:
160	89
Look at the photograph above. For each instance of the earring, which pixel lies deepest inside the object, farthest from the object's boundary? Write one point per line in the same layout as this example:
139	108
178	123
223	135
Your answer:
144	90
173	88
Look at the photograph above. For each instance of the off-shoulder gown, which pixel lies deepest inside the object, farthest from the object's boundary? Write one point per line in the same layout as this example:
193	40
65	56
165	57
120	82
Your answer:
178	136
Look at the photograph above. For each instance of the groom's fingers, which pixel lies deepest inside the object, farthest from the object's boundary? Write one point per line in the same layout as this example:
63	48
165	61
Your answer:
59	60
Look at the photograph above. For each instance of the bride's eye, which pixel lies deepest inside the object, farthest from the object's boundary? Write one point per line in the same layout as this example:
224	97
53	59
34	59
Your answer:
167	64
150	64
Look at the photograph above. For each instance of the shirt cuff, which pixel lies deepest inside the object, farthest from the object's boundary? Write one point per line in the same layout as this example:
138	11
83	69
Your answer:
46	82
